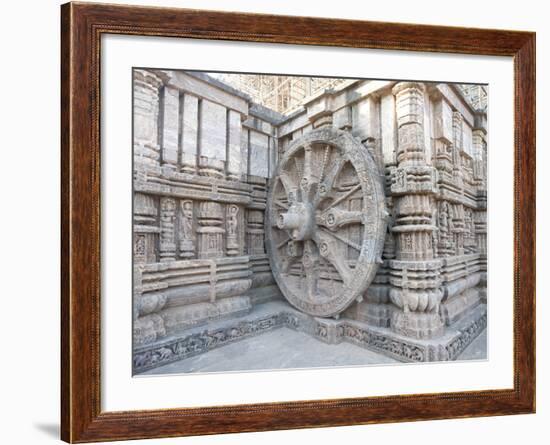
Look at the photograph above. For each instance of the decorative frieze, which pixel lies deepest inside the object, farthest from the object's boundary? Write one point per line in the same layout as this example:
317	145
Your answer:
201	340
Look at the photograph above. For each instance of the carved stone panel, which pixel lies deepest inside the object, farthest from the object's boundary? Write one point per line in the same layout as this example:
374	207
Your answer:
232	222
210	232
167	234
325	201
187	235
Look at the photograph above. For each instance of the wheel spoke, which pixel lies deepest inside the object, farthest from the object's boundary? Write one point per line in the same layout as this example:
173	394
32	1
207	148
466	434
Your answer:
329	249
343	197
280	204
334	219
289	185
310	262
344	240
282	243
325	162
310	178
287	262
328	182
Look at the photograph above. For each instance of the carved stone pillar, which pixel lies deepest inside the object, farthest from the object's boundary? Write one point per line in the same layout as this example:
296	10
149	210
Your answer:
212	139
457	147
146	112
145	228
470	244
458	228
480	225
443	136
210	233
234	130
170	126
186	230
416	284
376	307
189	133
479	147
255	232
167	247
148	326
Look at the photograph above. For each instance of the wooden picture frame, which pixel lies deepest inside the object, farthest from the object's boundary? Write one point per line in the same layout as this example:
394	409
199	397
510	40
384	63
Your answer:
82	26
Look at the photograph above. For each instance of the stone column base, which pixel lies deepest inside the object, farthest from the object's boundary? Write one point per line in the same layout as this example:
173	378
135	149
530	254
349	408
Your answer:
279	314
374	314
418	325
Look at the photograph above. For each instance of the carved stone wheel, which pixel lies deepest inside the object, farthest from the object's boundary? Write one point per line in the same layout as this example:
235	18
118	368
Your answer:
325	222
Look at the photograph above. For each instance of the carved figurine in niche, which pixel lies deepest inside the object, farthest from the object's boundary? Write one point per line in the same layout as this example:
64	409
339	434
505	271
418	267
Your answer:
400	178
187	236
139	247
443	219
469	242
167	235
446	227
232	234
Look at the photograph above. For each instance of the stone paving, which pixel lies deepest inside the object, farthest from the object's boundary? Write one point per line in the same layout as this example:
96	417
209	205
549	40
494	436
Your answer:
285	348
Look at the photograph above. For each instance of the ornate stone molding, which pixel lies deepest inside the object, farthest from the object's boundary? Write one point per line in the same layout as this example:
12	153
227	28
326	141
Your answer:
329	331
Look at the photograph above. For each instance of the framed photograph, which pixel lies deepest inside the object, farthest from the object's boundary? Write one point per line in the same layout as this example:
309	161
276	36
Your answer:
276	222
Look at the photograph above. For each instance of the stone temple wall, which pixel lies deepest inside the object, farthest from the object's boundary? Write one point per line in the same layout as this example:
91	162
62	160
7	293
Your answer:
430	146
203	154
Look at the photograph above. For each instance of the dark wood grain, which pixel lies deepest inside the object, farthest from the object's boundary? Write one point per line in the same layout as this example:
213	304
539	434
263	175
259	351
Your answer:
81	28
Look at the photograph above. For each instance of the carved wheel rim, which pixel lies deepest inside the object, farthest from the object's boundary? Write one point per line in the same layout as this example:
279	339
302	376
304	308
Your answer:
325	222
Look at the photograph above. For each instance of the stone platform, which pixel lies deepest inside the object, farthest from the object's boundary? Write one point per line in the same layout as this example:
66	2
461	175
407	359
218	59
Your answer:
366	344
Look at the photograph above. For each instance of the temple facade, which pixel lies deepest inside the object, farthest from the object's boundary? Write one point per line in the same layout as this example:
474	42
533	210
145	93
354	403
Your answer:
359	217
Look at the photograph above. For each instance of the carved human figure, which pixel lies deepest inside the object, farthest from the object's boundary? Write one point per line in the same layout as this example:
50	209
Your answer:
167	235
232	235
187	236
444	218
232	221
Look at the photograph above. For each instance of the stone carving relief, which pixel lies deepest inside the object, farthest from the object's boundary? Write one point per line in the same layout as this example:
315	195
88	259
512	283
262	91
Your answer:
206	212
309	219
210	232
255	232
232	239
446	245
167	225
414	273
187	234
